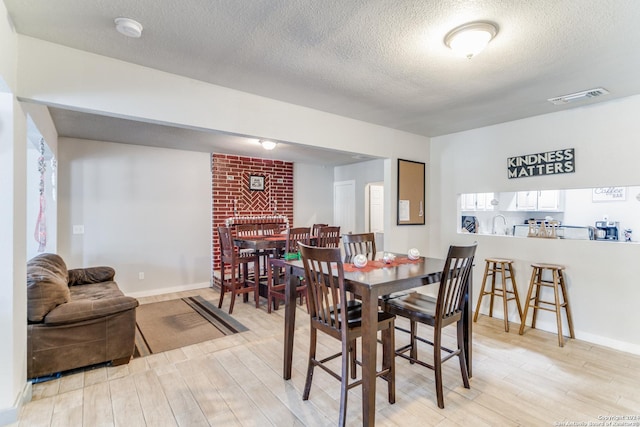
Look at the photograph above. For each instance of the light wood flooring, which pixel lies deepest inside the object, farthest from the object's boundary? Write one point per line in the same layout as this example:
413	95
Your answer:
237	381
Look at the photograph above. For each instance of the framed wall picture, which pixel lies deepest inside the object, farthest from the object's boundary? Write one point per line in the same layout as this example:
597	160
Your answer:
256	182
411	191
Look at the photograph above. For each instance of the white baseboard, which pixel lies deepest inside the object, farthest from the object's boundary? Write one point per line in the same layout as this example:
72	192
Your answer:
161	291
551	326
9	416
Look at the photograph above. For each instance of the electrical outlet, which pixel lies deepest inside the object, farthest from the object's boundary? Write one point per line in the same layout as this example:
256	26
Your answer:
78	229
141	275
229	177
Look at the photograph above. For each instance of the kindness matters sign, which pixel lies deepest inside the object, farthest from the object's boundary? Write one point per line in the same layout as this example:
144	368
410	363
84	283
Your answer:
549	163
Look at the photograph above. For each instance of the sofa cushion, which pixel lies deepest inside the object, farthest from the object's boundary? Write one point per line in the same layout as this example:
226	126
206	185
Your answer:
91	302
83	276
47	285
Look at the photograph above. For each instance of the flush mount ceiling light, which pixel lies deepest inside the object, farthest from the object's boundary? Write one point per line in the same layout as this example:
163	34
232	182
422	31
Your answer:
578	96
267	145
470	39
129	27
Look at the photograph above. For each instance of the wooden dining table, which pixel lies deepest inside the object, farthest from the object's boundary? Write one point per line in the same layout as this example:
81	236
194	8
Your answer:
261	242
370	284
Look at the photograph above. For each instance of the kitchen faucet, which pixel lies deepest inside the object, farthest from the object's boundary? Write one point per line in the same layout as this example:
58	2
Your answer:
493	224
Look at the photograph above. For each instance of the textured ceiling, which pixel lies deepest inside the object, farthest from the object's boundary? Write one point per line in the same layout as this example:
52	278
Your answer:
380	61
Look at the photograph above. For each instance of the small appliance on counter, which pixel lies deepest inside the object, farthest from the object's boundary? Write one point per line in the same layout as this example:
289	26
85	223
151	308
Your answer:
607	230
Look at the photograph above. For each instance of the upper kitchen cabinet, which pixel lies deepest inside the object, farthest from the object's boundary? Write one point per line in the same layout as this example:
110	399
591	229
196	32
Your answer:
549	200
533	201
544	201
477	202
527	200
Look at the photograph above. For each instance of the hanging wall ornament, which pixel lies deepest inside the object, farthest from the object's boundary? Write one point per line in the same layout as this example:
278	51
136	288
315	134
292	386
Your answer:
54	179
40	233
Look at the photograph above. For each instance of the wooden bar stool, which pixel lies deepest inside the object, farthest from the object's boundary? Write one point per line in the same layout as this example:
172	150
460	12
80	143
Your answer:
558	285
503	267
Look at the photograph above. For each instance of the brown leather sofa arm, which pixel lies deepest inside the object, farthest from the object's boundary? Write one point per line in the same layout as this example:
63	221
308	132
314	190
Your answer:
84	276
81	310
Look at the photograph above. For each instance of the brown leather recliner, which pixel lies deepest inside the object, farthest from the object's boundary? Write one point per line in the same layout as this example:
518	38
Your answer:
76	317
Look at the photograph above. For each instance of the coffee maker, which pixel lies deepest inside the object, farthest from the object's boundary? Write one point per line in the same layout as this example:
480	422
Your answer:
607	230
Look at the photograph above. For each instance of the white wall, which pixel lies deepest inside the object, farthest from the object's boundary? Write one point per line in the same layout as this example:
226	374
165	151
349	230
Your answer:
54	74
13	293
13	135
583	210
143	209
363	174
40	126
602	278
312	195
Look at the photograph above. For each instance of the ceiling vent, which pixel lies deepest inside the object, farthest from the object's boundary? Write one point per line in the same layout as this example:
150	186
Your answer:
578	96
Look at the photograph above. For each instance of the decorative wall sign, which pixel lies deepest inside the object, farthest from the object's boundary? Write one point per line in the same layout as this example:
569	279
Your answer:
609	194
549	163
256	182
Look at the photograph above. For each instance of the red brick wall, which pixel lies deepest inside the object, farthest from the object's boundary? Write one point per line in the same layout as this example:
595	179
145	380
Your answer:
277	196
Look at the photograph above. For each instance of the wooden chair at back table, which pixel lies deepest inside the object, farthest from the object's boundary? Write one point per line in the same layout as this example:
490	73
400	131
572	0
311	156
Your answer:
276	288
315	228
240	281
245	230
328	237
269	229
438	312
355	244
326	294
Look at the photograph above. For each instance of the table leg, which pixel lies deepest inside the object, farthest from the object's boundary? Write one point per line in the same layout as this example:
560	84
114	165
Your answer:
369	344
289	321
467	322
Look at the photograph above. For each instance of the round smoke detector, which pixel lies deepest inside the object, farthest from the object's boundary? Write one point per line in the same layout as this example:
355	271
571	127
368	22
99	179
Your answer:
129	27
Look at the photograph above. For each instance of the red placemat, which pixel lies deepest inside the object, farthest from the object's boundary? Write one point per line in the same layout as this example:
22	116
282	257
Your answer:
352	268
372	265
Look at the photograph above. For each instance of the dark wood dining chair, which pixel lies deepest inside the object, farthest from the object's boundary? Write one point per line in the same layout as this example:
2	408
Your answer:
245	230
275	269
269	229
438	312
355	244
240	281
315	228
326	295
328	237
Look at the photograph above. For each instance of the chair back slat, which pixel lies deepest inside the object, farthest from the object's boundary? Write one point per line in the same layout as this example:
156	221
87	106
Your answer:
329	237
355	244
269	229
295	235
453	283
326	291
227	249
315	228
243	230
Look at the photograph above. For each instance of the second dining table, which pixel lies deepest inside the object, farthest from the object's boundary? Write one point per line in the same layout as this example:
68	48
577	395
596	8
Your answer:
369	284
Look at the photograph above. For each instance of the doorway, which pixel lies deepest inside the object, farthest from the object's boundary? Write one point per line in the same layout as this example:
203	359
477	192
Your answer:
374	212
344	205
